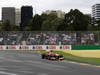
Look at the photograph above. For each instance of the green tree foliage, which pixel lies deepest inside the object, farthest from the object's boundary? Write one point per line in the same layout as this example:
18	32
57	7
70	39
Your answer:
29	26
6	26
76	20
51	22
58	22
44	17
36	23
73	21
97	27
47	24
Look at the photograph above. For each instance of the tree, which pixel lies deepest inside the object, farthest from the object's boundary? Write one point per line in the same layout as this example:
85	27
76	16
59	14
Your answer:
57	22
46	25
6	26
95	25
36	23
76	20
51	22
98	25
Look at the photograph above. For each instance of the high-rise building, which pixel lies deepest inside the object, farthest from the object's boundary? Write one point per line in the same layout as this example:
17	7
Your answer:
26	15
58	13
17	17
96	12
8	13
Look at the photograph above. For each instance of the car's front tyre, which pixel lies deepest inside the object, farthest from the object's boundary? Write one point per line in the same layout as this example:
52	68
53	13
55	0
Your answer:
42	56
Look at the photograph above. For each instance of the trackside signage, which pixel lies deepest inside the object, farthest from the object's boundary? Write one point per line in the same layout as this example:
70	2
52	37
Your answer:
24	47
35	47
38	47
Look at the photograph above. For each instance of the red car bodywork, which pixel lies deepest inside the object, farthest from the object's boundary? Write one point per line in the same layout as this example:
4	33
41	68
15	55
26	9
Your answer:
52	56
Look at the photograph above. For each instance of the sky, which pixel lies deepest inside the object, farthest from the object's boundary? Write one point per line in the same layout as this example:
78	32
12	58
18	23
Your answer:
41	5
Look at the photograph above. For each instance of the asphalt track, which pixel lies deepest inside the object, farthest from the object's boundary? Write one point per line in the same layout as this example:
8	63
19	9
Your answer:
30	63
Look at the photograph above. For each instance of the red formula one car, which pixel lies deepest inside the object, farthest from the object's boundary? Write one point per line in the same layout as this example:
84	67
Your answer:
52	56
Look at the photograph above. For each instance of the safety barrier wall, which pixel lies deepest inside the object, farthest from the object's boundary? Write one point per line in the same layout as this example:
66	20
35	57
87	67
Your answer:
86	47
35	47
49	47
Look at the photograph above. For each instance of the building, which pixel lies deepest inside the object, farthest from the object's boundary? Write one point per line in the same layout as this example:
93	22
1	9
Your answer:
8	14
17	17
58	13
96	12
26	15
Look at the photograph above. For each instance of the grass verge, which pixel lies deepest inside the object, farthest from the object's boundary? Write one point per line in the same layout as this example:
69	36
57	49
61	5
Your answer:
70	57
88	60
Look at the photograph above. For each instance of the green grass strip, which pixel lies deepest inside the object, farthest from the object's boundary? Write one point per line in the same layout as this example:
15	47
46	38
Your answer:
68	56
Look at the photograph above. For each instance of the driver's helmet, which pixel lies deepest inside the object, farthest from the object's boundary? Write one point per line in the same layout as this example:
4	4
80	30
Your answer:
49	51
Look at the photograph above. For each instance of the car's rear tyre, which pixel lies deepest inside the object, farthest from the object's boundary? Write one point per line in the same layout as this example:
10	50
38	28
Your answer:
43	57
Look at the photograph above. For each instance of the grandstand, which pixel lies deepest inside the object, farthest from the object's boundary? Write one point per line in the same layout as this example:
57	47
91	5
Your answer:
49	38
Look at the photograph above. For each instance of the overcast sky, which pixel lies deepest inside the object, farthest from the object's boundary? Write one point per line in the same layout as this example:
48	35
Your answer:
42	5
